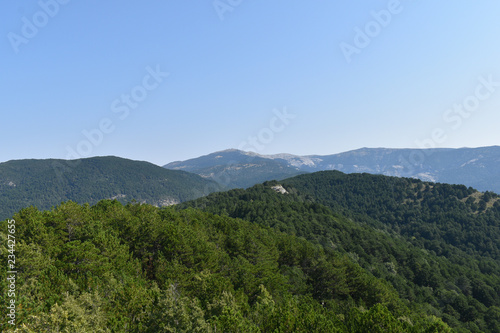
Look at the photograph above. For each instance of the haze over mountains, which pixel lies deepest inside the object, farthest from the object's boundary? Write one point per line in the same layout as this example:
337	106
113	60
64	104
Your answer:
45	183
475	167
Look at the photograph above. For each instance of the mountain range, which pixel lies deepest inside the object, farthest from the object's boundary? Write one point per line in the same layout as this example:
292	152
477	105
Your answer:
46	183
475	167
322	251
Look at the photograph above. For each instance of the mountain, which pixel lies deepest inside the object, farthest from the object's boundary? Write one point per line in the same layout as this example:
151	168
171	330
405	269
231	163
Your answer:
475	167
46	183
438	245
237	169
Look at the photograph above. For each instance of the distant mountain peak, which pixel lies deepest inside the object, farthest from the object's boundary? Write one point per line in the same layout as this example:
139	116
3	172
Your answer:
230	150
476	167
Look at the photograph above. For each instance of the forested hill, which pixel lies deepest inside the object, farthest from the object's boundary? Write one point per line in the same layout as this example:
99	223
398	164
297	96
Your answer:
46	183
139	268
430	214
437	244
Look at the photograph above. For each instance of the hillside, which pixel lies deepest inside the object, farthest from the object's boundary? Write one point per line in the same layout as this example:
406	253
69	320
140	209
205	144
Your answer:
139	268
236	169
475	167
460	217
437	244
46	183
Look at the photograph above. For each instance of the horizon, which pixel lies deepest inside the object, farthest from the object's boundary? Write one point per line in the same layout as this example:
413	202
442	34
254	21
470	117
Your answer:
171	81
251	152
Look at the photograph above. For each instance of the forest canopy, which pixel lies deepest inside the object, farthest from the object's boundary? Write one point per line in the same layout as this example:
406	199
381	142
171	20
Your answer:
138	268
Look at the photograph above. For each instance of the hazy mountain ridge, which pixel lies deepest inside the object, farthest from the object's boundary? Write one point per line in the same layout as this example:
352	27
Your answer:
475	167
46	183
235	168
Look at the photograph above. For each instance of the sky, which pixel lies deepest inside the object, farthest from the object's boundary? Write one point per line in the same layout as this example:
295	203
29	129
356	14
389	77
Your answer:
162	81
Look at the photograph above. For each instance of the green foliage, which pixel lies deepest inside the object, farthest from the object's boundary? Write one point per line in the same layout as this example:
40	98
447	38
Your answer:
138	268
397	230
447	219
175	313
47	183
83	314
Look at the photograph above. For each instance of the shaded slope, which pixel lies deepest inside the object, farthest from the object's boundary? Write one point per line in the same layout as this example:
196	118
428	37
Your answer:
45	183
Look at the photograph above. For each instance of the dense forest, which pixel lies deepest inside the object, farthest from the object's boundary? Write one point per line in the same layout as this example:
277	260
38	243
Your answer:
323	252
47	183
442	218
139	268
436	244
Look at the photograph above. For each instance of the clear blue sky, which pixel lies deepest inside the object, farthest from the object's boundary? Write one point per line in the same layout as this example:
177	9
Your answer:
69	67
